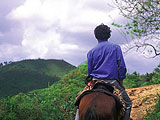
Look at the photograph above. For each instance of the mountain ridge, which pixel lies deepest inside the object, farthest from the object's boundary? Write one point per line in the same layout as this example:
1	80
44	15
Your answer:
30	74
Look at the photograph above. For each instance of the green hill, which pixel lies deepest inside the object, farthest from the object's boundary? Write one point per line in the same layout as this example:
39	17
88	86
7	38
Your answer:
27	75
57	101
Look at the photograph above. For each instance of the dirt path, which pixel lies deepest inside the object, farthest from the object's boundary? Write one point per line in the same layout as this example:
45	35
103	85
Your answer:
143	98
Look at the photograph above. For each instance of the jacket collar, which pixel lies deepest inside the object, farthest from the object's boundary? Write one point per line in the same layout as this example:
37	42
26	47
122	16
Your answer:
100	41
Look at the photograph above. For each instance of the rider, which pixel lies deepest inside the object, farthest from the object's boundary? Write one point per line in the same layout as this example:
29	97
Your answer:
105	62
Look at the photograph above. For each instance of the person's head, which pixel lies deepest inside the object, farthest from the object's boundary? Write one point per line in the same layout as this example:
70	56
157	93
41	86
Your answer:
102	32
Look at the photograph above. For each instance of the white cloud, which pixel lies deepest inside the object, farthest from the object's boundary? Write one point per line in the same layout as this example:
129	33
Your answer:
67	13
140	60
44	23
136	62
1	34
11	52
139	45
39	43
68	47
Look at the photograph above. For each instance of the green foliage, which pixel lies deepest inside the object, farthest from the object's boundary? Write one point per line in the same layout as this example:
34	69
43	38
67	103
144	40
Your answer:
143	25
132	80
50	67
154	115
136	80
53	103
117	25
20	107
57	101
142	15
27	75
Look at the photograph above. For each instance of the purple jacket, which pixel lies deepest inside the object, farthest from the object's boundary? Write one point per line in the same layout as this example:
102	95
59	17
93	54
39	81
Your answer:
105	61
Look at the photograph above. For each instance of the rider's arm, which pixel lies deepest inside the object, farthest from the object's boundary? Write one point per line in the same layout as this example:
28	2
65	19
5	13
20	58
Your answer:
121	65
89	60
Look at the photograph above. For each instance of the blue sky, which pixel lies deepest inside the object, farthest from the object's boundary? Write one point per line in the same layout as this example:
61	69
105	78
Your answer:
60	29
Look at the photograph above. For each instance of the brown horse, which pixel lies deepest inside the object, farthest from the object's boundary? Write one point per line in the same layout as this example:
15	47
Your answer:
98	106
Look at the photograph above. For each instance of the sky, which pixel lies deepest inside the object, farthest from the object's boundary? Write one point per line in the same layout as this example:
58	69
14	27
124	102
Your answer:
61	29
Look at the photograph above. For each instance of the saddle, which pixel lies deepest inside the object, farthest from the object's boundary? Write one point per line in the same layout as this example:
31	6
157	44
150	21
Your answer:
103	87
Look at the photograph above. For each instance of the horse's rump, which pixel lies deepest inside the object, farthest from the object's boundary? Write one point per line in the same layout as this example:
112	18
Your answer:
102	88
98	104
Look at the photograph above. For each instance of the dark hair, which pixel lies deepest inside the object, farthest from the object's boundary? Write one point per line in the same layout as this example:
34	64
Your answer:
102	32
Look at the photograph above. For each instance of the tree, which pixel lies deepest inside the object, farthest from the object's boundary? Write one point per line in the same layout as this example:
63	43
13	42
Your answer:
1	65
157	69
5	63
144	25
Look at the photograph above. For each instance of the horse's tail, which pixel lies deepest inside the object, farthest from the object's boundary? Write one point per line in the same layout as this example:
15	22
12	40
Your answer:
90	114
